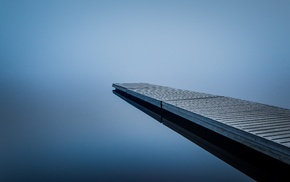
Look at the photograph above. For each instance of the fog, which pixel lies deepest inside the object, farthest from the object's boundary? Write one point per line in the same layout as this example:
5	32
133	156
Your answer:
58	60
231	48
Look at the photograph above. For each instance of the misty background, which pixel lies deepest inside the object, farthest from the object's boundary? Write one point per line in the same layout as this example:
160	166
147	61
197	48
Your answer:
231	48
58	60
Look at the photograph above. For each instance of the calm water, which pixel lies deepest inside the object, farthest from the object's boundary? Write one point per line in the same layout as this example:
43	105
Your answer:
81	130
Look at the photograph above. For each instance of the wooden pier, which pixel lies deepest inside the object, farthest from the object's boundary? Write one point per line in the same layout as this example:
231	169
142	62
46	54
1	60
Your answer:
262	127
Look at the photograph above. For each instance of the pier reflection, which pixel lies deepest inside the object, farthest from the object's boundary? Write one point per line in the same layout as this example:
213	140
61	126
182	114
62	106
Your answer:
257	165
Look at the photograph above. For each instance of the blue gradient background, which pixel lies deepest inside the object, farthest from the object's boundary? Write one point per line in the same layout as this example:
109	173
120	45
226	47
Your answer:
58	60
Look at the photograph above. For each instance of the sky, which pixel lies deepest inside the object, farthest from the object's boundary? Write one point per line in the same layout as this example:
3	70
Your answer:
231	48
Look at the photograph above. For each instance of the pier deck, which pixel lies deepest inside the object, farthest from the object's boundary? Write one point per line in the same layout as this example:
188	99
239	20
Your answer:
262	127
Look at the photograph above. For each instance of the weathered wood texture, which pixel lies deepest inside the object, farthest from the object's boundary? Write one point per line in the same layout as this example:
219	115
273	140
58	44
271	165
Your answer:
262	127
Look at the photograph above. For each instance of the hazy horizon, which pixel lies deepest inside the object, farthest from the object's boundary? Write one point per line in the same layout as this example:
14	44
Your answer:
230	48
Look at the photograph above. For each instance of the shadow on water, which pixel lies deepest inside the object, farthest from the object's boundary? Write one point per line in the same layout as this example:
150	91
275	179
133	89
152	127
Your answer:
247	160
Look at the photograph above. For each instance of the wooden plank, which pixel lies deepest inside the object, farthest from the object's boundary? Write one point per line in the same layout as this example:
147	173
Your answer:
259	126
222	147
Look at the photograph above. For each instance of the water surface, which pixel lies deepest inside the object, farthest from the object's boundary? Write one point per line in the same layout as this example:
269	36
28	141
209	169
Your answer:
86	132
